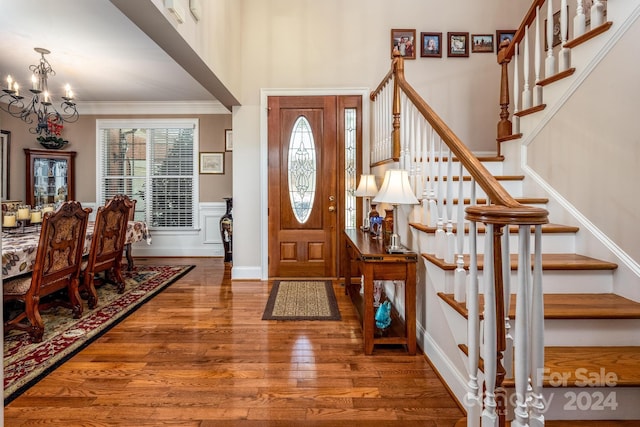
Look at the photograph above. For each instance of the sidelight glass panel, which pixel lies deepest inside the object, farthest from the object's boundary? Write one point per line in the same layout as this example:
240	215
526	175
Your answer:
302	169
350	167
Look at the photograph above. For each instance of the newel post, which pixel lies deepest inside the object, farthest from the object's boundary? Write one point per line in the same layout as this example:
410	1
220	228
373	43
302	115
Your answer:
504	125
398	71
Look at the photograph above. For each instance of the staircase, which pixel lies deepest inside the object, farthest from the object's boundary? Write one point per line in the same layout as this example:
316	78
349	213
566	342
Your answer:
592	335
591	309
588	321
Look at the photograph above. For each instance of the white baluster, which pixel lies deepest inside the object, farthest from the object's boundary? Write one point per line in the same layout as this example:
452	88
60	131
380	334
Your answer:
473	402
565	53
521	411
441	184
506	280
516	93
489	413
537	90
460	214
449	198
440	239
450	243
597	14
526	92
459	281
579	21
537	334
550	62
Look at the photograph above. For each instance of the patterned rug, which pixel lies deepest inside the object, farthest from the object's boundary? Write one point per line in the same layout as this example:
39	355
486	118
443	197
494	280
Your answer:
302	300
25	363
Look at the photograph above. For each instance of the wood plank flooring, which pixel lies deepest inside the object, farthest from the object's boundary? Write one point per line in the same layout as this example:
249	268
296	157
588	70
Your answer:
198	354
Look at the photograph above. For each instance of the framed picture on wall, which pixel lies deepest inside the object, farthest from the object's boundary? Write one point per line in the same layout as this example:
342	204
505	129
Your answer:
458	44
502	35
482	43
431	45
228	140
212	163
404	41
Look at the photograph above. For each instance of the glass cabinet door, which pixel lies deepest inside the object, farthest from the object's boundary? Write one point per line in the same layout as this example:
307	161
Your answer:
50	176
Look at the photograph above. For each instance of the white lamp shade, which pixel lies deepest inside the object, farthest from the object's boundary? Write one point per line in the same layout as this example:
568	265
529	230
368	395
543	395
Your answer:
396	189
367	186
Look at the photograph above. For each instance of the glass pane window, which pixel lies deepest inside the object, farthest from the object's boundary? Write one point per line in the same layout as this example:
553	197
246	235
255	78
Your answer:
153	163
302	169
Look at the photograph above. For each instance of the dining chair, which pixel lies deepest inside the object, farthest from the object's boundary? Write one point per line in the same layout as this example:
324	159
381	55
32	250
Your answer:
107	246
56	267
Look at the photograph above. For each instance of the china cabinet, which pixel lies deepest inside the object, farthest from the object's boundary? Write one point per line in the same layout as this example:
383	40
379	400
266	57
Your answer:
50	176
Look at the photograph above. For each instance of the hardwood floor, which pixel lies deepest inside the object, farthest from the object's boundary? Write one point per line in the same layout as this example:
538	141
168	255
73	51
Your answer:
198	354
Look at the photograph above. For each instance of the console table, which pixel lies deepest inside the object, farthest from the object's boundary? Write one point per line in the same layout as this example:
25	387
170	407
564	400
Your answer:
374	263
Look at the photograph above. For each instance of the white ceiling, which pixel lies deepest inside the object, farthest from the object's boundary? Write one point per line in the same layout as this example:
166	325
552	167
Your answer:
94	48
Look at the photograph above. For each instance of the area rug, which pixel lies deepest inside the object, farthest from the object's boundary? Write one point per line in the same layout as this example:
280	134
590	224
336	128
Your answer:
26	363
302	300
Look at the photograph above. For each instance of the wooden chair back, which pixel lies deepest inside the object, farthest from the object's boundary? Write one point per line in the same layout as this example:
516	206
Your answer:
56	267
107	245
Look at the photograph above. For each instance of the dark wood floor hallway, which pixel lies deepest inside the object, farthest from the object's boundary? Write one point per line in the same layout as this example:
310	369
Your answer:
198	354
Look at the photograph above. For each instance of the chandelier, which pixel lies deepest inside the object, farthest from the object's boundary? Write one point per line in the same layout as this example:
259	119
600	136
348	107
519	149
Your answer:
39	110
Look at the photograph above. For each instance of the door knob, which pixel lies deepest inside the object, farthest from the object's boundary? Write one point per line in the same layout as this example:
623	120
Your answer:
332	208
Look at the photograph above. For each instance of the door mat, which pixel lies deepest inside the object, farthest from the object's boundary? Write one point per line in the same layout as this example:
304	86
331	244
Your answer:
302	300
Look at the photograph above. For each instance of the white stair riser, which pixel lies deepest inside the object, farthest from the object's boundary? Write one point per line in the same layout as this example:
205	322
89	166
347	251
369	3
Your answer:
553	243
553	281
589	332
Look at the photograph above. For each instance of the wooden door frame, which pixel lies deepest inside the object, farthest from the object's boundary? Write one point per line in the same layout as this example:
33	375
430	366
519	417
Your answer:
264	152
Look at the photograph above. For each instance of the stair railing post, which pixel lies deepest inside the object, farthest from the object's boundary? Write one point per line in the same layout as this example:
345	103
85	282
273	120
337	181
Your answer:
501	401
399	69
473	401
504	125
537	334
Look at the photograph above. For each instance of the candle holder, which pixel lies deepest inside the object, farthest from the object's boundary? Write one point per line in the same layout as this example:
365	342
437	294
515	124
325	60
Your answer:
23	216
9	219
36	217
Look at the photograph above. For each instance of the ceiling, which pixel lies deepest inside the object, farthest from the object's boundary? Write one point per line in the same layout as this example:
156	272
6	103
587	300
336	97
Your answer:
94	48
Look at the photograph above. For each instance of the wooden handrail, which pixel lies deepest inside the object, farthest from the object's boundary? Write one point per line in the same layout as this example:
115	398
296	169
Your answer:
519	35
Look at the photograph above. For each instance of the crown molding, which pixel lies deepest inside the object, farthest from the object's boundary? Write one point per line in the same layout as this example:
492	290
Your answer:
185	107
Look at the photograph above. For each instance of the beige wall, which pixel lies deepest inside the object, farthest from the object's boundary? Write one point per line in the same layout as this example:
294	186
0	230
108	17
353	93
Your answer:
82	139
595	143
307	44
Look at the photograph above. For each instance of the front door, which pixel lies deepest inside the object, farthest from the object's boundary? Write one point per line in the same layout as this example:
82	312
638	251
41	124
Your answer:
306	186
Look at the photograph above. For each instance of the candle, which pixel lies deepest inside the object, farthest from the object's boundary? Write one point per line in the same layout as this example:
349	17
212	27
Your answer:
67	89
36	216
9	82
16	88
47	208
9	220
23	213
34	82
46	96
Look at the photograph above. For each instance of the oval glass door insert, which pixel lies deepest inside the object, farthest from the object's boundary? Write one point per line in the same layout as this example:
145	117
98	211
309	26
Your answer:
302	169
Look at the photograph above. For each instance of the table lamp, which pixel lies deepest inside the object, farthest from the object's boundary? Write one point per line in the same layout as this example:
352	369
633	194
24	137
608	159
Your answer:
367	188
395	190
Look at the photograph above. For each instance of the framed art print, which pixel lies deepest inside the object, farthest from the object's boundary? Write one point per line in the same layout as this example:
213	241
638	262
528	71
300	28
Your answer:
212	163
482	43
404	41
228	140
431	45
458	44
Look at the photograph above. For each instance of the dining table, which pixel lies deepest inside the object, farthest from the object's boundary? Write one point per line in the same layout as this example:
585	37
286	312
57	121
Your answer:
19	246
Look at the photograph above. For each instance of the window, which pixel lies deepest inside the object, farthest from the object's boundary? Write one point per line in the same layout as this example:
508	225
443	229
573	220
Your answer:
153	162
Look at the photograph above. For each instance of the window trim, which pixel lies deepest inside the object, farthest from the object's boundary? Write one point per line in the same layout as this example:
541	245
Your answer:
152	124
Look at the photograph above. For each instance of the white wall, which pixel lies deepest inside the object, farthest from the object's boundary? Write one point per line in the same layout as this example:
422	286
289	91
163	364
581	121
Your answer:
340	44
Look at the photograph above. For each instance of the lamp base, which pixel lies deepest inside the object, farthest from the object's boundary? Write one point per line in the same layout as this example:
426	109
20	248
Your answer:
394	246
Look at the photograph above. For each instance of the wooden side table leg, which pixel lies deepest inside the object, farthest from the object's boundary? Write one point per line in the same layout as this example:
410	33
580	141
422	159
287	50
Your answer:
127	252
368	321
410	307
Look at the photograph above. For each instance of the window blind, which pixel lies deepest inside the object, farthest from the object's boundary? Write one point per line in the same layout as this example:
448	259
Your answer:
154	165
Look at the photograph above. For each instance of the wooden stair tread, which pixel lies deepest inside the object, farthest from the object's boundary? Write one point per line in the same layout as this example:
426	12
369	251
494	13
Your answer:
549	262
584	364
569	306
546	228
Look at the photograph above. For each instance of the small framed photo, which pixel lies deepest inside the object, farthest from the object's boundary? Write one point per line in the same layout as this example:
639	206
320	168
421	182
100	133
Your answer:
212	163
458	45
431	45
482	43
228	140
502	35
404	41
